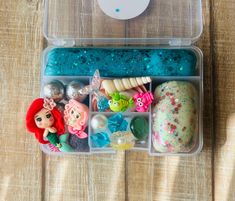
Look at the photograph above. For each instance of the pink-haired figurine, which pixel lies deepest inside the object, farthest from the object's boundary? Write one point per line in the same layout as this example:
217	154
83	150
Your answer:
143	101
75	116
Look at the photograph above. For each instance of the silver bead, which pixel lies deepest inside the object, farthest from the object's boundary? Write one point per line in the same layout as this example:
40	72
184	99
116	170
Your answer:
72	91
54	90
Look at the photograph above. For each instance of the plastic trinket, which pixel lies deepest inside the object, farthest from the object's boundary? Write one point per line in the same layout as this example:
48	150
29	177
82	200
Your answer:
122	140
100	139
143	101
120	103
139	127
45	121
117	85
117	123
102	101
75	116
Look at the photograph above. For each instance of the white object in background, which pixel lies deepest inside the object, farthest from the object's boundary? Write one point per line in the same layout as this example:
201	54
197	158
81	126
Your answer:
123	9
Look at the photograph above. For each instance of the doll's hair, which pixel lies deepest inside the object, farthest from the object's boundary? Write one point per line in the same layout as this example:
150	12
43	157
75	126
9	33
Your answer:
31	126
80	107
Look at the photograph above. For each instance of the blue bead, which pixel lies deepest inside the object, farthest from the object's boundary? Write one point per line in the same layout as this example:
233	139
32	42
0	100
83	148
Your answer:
103	104
117	123
100	139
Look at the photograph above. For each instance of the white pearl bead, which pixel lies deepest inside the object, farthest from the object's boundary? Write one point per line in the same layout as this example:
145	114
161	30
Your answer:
99	121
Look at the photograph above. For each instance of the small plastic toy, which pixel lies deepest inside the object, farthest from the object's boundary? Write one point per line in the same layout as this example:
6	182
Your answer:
120	103
122	140
143	101
45	121
115	85
100	139
102	103
117	122
76	116
93	88
139	127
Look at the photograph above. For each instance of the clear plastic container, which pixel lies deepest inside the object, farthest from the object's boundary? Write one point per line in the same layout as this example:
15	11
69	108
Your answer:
170	24
77	22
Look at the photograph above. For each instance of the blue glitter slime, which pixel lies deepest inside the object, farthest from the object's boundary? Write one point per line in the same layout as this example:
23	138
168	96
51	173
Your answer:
120	62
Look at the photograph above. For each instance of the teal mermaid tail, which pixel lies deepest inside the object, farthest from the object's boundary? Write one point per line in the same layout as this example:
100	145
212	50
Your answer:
65	146
60	142
64	137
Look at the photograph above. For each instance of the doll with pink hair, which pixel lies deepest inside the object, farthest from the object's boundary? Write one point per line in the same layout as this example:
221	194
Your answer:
46	122
76	115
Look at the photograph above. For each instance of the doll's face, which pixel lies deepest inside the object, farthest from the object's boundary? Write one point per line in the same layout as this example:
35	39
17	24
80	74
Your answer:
76	118
44	119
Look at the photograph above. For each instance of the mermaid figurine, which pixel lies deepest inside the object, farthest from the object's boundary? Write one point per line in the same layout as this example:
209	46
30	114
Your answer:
76	115
46	122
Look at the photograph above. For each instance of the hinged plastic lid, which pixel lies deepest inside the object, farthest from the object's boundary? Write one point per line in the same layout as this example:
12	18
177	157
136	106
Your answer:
78	22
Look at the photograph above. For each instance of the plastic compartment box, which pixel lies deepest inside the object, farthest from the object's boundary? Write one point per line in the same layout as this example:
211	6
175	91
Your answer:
170	24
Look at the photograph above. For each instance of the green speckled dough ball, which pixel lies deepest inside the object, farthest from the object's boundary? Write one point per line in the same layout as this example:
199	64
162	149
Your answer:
175	117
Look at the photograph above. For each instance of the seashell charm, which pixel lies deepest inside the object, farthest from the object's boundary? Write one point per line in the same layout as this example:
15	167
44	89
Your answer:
115	85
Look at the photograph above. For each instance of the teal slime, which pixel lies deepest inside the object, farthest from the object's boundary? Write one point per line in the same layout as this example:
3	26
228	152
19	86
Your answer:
120	62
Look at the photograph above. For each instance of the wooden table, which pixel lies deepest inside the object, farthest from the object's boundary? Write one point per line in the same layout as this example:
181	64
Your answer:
27	174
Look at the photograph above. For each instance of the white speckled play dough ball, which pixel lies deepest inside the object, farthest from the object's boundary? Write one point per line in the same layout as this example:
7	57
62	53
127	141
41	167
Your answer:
175	117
